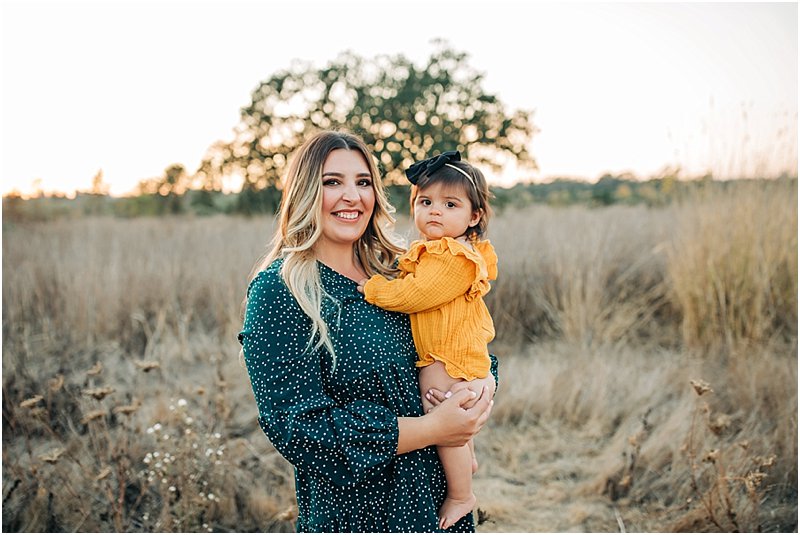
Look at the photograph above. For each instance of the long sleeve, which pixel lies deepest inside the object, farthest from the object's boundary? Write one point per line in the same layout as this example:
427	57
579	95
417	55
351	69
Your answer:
345	443
437	279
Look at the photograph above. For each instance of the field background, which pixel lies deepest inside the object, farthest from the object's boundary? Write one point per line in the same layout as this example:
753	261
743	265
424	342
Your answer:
648	372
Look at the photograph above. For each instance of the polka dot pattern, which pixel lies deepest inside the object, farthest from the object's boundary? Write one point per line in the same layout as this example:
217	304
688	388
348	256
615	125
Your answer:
338	424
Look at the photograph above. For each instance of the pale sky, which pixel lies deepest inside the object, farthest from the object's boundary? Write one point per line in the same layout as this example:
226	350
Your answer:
133	87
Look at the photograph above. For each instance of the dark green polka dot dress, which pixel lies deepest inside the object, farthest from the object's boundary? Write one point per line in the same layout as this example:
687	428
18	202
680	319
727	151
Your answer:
338	426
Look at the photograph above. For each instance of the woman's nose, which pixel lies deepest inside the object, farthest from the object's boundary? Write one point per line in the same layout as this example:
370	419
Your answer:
350	192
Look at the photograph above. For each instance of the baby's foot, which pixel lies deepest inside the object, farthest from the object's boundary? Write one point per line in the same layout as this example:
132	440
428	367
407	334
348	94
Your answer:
452	510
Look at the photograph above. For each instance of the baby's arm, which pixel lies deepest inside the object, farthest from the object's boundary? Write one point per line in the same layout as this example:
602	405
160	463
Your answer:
438	279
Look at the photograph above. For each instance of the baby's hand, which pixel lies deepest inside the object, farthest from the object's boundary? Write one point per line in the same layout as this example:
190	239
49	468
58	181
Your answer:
361	284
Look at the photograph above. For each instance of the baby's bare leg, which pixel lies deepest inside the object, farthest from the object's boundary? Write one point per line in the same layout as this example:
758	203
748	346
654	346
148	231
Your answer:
471	445
457	462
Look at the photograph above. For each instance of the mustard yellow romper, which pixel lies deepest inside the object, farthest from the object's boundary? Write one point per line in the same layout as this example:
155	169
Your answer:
441	285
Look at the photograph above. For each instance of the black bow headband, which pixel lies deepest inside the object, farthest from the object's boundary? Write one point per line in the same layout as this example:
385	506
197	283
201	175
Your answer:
433	164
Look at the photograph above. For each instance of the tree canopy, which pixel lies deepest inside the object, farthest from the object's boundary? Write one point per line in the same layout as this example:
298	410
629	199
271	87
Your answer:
403	112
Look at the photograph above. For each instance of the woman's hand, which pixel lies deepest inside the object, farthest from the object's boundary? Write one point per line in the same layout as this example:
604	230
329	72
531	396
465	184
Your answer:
449	424
361	284
436	397
454	423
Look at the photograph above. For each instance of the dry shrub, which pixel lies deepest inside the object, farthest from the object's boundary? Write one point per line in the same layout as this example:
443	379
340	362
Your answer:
732	265
107	326
587	276
627	425
718	269
175	448
79	284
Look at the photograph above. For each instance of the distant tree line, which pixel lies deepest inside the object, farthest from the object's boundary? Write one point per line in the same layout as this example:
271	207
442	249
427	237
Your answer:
609	190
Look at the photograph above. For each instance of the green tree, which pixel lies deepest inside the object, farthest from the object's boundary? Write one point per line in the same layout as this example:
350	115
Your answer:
167	190
173	185
403	112
97	196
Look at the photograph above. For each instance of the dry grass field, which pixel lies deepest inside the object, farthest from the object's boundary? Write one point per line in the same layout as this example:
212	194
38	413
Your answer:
648	372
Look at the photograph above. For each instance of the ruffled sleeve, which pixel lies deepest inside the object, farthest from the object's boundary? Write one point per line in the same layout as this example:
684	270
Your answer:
344	443
489	256
435	273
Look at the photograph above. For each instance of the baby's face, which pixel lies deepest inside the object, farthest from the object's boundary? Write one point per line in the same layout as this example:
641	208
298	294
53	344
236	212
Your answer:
443	211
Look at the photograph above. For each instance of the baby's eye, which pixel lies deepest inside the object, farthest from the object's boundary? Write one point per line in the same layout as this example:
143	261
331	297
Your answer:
425	202
450	204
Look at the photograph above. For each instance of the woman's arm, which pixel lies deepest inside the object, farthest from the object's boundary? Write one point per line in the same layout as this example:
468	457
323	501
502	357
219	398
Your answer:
345	443
449	425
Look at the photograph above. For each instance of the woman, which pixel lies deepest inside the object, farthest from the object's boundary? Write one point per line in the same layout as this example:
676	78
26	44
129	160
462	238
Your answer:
333	376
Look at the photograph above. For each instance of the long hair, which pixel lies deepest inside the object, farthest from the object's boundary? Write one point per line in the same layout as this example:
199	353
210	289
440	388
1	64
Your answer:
300	227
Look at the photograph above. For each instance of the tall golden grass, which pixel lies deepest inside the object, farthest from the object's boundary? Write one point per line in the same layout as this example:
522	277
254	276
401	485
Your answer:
125	407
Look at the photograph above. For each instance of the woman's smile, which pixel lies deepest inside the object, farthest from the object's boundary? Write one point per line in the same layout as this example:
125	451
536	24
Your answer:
347	215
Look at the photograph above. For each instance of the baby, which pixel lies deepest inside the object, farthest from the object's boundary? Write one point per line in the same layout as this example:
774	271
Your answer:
442	283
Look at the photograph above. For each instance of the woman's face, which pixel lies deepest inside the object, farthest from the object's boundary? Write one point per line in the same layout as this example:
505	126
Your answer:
348	197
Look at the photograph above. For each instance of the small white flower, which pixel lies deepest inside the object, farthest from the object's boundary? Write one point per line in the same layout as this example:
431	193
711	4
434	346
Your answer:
166	437
217	435
164	480
210	495
172	489
181	402
150	430
188	420
156	454
157	427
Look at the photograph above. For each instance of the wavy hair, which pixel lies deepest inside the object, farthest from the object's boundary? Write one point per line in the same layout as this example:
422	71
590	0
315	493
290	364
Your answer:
300	226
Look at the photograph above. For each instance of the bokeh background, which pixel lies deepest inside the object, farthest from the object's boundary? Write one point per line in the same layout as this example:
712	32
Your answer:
643	160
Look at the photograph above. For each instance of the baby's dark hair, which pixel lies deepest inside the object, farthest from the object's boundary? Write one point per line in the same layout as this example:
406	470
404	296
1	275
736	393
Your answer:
477	191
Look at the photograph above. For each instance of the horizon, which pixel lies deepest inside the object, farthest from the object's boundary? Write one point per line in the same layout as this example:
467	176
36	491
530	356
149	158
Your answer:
625	177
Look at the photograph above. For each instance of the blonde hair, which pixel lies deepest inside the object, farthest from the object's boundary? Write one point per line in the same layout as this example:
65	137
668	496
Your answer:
300	226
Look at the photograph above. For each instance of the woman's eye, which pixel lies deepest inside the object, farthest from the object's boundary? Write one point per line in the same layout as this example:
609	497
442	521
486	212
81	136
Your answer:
330	182
365	182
